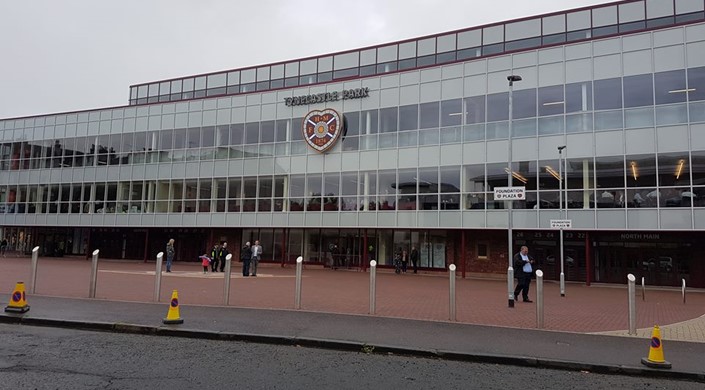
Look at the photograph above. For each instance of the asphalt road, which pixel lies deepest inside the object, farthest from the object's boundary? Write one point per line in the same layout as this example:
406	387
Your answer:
50	358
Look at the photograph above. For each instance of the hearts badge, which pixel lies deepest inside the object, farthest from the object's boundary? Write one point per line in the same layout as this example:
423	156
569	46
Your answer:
321	129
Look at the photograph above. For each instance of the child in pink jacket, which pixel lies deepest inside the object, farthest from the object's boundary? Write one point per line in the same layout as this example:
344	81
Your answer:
205	262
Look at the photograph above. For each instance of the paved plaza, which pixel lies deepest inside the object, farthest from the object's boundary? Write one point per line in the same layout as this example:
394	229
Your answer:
423	296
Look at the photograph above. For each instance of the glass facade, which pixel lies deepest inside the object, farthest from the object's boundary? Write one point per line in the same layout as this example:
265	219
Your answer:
621	85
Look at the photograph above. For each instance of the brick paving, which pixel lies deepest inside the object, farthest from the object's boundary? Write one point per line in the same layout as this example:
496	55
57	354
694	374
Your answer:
596	309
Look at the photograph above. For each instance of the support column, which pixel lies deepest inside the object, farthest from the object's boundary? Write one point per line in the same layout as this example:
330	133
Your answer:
146	245
588	260
463	252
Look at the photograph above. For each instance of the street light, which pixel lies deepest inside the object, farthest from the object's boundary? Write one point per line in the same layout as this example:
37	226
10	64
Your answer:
510	252
560	208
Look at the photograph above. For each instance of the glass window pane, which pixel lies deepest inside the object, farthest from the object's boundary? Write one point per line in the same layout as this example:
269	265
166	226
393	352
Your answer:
638	91
179	139
608	94
578	20
194	138
408	117
451	112
252	133
604	16
387	53
267	131
280	132
429	114
427	46
641	170
673	169
524	104
208	136
237	133
670	87
696	84
407	50
550	100
578	97
468	39
446	43
388	120
369	122
475	109
609	172
498	107
553	24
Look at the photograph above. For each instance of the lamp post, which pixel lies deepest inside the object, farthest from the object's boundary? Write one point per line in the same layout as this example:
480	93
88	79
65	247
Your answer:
510	251
560	208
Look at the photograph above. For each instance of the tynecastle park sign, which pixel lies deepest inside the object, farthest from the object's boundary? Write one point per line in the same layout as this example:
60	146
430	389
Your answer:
303	100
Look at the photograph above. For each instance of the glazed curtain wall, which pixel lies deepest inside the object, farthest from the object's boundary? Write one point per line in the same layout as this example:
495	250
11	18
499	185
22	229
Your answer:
641	101
632	181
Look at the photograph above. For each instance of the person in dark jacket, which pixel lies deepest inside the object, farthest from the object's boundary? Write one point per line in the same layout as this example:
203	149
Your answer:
523	269
223	254
414	258
170	252
245	256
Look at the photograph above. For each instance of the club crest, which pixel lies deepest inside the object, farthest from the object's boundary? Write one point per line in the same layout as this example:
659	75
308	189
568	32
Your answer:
322	129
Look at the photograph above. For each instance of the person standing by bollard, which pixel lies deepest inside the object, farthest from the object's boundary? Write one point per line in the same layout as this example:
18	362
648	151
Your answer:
256	253
414	258
245	257
222	254
169	254
523	261
215	257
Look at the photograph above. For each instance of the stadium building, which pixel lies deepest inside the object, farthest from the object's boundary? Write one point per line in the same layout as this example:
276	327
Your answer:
352	156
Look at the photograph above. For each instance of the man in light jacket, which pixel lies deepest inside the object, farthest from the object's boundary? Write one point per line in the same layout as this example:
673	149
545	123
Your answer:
256	253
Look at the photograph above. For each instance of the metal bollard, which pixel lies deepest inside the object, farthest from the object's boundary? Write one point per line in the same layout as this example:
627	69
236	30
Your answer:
643	289
510	283
299	265
683	290
539	299
94	274
158	277
373	286
226	279
451	268
631	281
33	270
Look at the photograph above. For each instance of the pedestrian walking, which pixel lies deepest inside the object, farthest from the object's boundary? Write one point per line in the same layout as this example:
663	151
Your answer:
524	271
223	254
215	257
414	257
256	253
246	257
169	254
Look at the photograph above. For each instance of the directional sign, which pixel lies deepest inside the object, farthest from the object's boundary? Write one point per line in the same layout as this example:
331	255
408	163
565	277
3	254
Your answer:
509	193
561	223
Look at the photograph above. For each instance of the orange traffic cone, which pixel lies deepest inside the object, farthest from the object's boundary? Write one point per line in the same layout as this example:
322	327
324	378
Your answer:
173	316
18	300
655	359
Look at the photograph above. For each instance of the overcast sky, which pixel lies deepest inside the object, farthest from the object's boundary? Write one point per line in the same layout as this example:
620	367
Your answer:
69	55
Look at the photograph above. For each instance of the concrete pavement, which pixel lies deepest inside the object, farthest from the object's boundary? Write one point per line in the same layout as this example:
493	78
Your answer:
411	318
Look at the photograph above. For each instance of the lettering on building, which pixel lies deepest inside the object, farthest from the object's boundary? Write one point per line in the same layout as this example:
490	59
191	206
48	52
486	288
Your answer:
302	100
640	236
